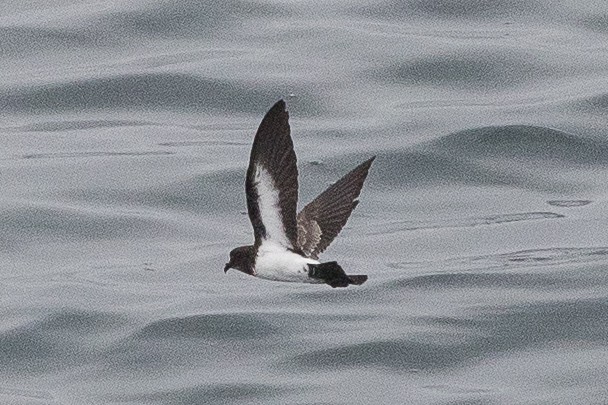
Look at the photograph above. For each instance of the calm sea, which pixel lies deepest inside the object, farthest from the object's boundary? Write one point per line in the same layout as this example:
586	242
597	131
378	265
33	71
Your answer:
125	134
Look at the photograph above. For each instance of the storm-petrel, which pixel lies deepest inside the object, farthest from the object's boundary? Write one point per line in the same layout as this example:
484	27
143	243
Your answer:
287	246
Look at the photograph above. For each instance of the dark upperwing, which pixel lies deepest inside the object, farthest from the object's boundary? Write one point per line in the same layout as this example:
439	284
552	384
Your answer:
323	218
272	181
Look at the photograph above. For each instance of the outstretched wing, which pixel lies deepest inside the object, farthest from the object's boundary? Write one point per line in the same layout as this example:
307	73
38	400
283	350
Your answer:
323	218
272	181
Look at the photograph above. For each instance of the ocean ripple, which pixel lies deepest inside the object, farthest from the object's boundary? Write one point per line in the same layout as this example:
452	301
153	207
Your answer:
453	9
518	259
17	40
208	326
67	125
27	223
446	166
208	393
182	18
483	335
401	226
523	141
480	70
204	194
157	91
397	354
55	342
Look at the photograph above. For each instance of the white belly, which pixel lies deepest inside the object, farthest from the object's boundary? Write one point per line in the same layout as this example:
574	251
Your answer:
275	263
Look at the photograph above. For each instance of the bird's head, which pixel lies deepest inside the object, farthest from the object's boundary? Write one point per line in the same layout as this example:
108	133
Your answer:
242	259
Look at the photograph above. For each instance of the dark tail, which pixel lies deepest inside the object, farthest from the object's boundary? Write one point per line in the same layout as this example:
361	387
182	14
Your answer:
357	280
332	274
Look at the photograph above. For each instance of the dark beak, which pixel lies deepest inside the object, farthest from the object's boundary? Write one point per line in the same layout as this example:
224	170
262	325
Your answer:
226	267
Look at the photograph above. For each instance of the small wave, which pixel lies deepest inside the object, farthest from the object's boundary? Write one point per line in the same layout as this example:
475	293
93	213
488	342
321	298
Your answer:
493	280
208	326
534	325
212	192
522	258
482	335
452	390
54	342
185	341
202	143
522	141
482	69
181	18
597	104
595	22
60	126
28	223
79	322
64	155
170	91
438	167
452	9
8	395
18	40
208	394
401	226
569	203
164	19
397	354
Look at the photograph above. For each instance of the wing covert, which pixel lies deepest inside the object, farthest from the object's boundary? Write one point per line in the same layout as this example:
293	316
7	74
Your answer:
323	218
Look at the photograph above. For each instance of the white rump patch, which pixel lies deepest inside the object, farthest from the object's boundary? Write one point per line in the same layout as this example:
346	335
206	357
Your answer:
268	203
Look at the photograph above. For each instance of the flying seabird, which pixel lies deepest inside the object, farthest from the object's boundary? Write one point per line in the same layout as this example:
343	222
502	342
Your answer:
287	245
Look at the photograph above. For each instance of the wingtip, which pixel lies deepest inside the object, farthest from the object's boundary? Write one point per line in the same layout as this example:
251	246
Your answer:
367	164
279	105
277	112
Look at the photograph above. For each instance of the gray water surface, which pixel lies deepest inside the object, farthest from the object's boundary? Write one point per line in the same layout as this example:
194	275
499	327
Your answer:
125	136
